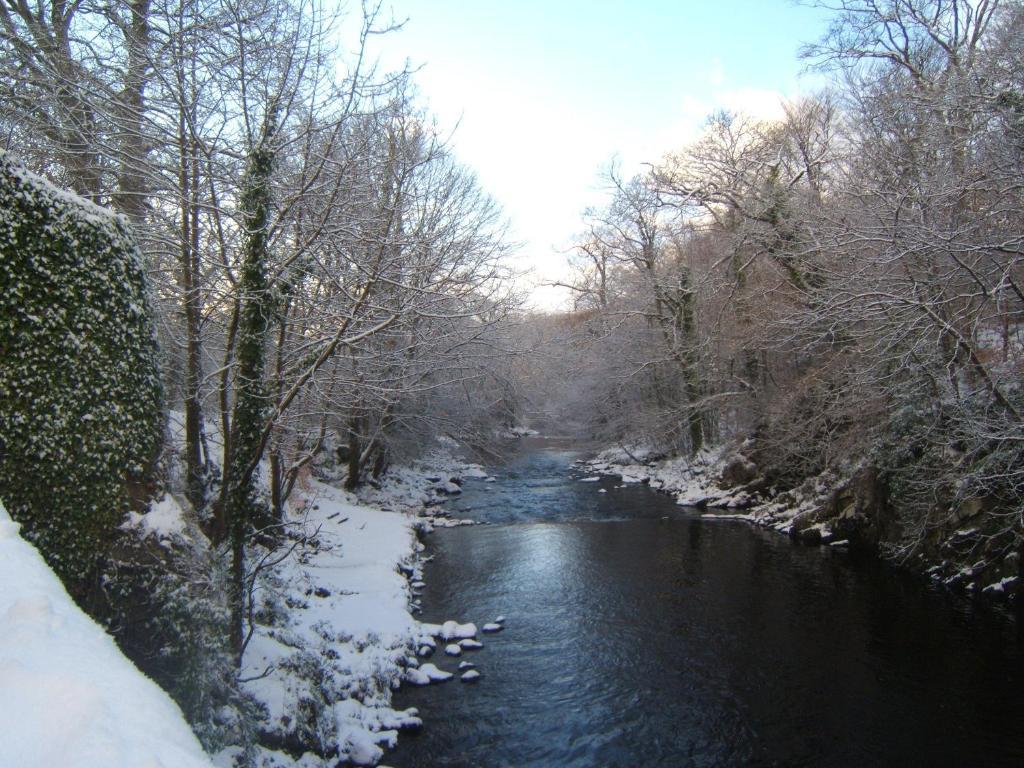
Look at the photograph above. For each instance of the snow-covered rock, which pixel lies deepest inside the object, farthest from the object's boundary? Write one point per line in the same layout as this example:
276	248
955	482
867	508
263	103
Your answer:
416	676
426	674
470	675
1000	586
435	674
492	627
448	489
452	630
453	649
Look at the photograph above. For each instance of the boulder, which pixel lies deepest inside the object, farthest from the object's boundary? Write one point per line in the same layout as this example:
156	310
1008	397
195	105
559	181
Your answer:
447	489
969	508
862	512
738	471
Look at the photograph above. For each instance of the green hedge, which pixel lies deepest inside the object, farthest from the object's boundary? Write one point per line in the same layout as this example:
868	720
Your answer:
80	397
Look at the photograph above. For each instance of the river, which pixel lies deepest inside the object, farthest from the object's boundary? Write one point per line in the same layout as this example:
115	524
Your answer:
638	634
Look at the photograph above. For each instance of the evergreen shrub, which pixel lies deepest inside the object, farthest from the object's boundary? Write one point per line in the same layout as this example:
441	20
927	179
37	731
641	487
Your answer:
80	396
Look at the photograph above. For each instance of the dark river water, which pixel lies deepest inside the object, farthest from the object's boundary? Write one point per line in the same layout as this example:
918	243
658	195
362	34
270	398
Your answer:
639	635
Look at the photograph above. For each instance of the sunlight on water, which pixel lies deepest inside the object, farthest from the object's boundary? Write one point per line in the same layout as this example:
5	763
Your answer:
639	634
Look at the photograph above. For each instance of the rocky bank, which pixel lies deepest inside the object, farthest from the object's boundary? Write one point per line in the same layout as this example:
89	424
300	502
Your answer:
966	546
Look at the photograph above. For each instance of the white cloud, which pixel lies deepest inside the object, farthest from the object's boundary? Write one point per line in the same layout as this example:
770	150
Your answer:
539	152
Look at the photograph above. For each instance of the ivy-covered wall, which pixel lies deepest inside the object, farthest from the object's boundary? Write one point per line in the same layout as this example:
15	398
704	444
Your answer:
80	398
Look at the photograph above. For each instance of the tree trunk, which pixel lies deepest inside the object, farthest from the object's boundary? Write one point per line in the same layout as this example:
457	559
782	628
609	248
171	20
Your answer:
188	181
354	454
250	398
276	485
130	198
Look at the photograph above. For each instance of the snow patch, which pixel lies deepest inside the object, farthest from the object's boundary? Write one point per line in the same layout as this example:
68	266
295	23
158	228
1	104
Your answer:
68	696
1000	586
165	520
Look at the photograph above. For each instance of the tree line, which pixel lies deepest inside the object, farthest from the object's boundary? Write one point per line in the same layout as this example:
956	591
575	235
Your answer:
844	284
326	279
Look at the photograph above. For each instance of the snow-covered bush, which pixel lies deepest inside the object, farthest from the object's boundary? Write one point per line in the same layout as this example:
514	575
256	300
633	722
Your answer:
80	397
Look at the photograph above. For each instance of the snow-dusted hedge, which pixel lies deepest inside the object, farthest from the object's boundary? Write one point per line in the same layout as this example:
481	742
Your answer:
80	395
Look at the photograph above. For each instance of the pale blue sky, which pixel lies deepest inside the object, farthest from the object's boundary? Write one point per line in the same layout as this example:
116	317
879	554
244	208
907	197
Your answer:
545	93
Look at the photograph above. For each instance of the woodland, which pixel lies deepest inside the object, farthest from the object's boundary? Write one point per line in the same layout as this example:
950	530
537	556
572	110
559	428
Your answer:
215	209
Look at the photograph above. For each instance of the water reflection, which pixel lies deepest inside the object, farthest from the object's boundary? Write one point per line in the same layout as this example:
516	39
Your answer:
639	635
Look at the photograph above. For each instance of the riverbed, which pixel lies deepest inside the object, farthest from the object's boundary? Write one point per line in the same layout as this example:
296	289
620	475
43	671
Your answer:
638	633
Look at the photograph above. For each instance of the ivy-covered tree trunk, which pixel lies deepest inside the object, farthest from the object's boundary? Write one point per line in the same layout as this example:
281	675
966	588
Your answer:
239	500
189	272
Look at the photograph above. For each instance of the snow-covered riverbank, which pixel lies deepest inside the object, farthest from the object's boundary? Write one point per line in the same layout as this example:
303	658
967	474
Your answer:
695	482
334	634
334	631
837	509
722	478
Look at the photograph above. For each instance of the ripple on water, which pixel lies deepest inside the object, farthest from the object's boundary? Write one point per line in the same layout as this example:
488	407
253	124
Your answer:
633	640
